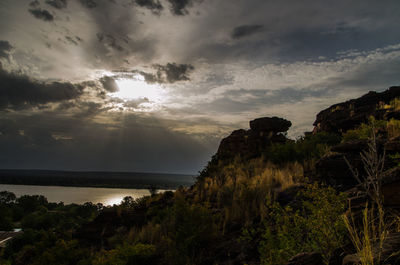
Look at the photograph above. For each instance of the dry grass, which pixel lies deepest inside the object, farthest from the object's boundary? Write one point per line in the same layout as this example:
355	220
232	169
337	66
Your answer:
369	239
240	189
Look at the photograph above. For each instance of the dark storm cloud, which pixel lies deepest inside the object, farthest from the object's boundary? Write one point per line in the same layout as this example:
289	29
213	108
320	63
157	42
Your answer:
59	4
62	141
246	30
42	14
179	7
153	5
20	91
5	48
109	84
292	30
88	3
117	37
172	72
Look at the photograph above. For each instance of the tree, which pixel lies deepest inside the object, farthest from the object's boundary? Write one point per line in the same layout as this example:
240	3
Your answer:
153	190
7	197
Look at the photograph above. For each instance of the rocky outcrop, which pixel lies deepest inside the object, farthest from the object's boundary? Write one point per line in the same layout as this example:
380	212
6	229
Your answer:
391	188
251	143
267	124
350	114
333	169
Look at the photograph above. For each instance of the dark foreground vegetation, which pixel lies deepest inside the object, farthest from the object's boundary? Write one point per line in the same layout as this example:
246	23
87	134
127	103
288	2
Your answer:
330	197
96	179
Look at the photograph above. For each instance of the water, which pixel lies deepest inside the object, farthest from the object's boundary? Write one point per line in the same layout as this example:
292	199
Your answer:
79	195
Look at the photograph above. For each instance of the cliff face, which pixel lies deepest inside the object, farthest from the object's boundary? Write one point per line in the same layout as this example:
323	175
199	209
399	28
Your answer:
350	114
339	118
250	143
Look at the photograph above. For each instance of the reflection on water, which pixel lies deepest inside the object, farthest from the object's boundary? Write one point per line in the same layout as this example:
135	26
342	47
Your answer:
106	196
114	200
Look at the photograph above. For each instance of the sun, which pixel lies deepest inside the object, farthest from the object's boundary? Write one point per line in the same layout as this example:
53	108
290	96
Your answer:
137	88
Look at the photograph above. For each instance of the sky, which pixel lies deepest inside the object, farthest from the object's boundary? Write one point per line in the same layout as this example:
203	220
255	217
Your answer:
154	85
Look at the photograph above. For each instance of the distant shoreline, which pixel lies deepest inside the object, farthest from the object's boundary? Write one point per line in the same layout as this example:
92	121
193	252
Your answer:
93	179
103	186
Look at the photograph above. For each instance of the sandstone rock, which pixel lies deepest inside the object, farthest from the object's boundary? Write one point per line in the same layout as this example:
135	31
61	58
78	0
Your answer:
334	171
351	259
391	188
251	143
350	114
356	147
268	124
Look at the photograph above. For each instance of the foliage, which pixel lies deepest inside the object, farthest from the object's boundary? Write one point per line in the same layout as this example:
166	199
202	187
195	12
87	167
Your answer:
7	197
48	228
305	148
63	252
369	240
240	188
6	223
365	130
315	226
188	231
373	232
127	254
393	105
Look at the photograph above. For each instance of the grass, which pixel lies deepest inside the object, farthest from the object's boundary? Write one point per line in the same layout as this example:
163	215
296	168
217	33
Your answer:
368	241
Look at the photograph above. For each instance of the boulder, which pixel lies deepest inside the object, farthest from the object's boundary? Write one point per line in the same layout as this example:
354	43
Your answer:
334	171
267	124
354	147
391	188
251	143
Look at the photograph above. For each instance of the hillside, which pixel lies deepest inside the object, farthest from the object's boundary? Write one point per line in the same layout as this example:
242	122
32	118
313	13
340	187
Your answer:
329	197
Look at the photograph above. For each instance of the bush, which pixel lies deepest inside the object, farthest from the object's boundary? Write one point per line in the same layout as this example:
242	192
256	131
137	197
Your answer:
316	226
365	130
189	233
306	148
127	254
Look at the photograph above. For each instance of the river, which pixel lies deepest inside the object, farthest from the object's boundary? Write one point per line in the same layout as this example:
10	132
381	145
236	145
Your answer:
79	195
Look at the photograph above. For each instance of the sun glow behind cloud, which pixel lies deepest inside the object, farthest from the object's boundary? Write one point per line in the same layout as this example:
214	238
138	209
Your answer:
137	88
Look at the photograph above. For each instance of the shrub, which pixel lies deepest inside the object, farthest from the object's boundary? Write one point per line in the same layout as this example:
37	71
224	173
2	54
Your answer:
365	130
127	254
306	148
316	226
189	231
